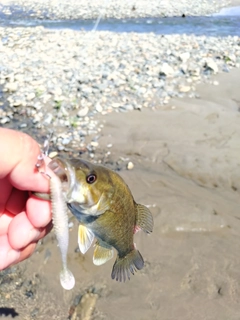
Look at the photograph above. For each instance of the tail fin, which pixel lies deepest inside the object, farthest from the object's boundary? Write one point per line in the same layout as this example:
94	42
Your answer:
122	267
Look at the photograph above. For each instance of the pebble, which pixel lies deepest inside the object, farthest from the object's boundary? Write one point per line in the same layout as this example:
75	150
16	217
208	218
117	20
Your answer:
48	119
11	86
66	140
53	154
184	56
94	144
4	120
212	65
130	165
83	112
23	125
98	107
166	70
31	96
184	88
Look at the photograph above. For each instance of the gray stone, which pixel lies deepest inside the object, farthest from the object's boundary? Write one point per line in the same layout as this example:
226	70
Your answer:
48	119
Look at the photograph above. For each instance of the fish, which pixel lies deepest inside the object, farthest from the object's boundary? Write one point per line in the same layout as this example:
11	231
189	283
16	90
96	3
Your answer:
107	212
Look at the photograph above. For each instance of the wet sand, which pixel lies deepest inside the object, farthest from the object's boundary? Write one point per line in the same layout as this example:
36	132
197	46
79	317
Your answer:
187	160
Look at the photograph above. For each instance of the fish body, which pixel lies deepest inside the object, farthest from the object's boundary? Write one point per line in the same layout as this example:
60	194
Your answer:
106	210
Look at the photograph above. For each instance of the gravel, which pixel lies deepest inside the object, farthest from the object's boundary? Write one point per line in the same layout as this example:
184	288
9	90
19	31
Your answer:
87	9
63	79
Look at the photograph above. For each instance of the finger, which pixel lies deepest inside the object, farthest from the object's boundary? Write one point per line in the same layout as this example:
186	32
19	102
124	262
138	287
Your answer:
5	191
7	254
18	161
5	220
26	252
45	231
38	212
21	232
16	201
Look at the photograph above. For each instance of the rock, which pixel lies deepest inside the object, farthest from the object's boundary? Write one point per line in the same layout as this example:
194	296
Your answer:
30	96
11	86
115	105
53	154
130	165
83	112
4	120
184	56
210	64
60	148
94	144
127	107
23	125
98	107
166	70
48	119
184	88
66	140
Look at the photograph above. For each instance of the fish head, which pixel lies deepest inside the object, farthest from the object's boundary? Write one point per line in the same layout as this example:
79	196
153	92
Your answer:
87	187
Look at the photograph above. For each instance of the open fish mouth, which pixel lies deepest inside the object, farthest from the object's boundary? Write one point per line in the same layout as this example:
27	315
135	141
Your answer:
63	169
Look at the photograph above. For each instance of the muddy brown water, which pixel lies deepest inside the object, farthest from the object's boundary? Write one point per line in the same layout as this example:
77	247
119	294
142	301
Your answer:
187	170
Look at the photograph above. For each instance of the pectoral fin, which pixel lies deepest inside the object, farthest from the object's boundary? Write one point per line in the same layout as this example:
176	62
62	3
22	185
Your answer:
144	219
101	254
85	238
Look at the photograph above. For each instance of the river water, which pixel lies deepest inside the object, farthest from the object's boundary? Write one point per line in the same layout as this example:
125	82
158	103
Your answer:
225	23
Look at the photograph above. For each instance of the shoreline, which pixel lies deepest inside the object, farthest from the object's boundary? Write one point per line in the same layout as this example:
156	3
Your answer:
81	9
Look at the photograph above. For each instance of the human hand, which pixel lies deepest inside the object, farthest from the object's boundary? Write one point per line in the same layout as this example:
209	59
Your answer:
24	219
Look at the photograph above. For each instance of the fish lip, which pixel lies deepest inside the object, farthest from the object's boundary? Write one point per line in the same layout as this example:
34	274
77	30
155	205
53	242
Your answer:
65	172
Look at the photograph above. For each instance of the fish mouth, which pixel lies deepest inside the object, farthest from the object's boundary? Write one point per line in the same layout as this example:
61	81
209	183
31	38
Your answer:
64	171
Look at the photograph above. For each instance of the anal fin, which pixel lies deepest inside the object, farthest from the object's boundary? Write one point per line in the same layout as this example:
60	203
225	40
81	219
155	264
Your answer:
144	219
101	254
85	238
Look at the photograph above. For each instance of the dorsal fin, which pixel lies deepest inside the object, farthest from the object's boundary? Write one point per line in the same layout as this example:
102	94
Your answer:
144	219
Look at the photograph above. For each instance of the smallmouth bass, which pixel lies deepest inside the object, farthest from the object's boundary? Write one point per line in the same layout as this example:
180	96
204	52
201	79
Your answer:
106	210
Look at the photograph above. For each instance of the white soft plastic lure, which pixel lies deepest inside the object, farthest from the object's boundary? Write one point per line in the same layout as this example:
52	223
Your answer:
60	225
60	221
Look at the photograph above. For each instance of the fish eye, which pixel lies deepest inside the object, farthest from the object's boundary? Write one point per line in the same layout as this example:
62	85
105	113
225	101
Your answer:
91	178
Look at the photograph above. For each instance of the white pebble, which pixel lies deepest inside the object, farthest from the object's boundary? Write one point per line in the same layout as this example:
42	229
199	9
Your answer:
130	165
